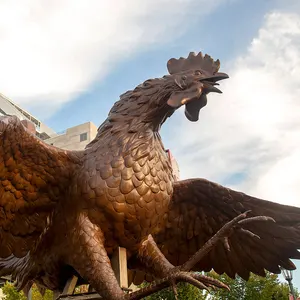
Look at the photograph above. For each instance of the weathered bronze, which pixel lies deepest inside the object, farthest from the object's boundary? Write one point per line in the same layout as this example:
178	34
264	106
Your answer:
64	213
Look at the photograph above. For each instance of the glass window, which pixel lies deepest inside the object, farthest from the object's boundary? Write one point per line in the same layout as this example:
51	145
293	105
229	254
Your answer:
83	137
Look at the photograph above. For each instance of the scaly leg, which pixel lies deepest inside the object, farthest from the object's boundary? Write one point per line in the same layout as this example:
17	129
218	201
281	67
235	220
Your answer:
91	261
154	260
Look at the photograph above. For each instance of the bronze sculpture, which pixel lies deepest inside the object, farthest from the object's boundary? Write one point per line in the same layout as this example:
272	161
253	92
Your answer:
64	212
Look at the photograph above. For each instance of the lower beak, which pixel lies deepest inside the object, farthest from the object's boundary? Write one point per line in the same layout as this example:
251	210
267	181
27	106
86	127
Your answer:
210	82
192	108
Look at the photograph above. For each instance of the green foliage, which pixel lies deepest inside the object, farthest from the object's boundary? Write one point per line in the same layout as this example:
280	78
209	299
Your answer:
185	291
36	295
11	293
256	288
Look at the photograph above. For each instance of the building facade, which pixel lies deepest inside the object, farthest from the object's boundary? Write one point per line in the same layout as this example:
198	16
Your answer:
9	108
74	138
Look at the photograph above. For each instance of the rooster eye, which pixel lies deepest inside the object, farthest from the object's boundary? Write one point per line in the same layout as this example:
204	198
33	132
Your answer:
197	73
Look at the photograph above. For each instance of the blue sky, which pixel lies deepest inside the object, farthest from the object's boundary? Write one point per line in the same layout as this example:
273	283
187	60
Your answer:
68	62
225	33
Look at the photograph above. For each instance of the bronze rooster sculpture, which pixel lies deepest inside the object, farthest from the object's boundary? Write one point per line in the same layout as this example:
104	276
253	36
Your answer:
65	212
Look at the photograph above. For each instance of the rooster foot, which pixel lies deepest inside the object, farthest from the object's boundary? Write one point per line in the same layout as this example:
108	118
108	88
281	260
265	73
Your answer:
182	273
198	280
223	235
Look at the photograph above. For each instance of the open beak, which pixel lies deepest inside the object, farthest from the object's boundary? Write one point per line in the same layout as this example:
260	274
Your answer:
192	107
210	82
217	77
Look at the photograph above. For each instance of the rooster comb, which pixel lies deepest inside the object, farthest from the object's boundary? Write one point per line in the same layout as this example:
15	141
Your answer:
193	62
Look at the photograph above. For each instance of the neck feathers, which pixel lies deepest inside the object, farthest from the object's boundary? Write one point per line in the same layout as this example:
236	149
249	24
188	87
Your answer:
138	112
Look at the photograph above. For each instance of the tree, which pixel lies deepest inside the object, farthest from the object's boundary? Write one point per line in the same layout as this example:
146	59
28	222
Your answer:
36	295
185	291
11	293
256	288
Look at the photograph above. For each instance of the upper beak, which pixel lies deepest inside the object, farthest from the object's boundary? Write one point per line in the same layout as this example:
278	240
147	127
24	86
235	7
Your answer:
210	82
216	77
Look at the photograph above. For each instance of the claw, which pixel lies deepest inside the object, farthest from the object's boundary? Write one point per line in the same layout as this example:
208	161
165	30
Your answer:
257	219
226	243
209	281
223	234
174	288
184	276
198	280
249	233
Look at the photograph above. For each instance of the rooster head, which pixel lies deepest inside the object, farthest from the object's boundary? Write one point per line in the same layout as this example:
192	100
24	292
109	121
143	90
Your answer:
194	77
152	102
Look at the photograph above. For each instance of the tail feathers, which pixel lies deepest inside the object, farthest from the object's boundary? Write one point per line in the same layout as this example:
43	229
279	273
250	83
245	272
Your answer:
17	267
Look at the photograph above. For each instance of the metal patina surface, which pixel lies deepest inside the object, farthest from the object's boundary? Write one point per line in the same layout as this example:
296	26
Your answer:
64	213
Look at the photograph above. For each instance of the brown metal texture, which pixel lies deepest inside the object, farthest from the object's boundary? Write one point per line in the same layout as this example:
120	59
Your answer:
64	213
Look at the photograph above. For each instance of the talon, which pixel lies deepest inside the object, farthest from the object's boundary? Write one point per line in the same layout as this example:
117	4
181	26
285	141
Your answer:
257	219
247	212
226	243
222	235
249	233
209	281
184	276
174	288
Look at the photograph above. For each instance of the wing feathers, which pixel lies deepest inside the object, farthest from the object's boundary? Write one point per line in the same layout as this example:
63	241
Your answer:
32	175
199	208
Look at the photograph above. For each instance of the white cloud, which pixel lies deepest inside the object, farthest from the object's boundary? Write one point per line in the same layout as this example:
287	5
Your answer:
253	129
52	50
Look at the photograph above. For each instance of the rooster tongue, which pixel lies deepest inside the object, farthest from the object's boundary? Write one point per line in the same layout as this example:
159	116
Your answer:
192	108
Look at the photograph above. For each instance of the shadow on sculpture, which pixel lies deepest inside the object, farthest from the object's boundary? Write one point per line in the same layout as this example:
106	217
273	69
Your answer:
64	213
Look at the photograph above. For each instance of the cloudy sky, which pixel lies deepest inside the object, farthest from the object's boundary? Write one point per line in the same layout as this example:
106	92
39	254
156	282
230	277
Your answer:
68	61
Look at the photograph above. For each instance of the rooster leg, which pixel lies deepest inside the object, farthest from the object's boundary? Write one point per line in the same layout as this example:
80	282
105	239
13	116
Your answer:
223	235
156	263
152	258
91	261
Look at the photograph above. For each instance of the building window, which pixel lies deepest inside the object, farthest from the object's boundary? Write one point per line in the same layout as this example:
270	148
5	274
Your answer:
83	137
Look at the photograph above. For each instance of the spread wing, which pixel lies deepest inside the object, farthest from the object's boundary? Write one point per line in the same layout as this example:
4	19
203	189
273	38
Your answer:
32	177
199	208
